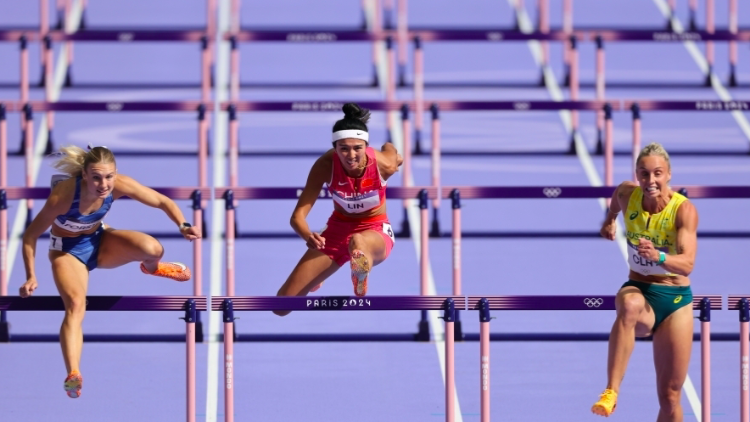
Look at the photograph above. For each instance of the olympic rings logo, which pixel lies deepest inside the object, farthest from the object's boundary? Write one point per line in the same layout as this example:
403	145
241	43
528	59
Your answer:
593	302
552	192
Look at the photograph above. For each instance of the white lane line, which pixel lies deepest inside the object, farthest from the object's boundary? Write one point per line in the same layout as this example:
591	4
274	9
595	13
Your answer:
436	326
19	223
589	168
217	212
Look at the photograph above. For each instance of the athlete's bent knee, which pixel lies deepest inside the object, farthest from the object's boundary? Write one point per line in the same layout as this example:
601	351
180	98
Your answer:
153	249
631	307
76	309
357	241
669	399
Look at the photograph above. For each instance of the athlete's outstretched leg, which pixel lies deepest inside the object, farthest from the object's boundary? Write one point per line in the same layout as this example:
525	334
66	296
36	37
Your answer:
634	318
311	270
71	278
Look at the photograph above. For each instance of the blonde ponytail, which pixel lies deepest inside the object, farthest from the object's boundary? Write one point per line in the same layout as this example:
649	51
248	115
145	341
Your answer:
73	160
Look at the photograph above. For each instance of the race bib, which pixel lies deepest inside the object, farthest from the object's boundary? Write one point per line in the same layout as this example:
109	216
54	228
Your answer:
387	229
55	243
643	265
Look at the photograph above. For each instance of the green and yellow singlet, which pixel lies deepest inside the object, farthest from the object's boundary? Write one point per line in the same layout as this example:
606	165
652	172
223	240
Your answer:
659	228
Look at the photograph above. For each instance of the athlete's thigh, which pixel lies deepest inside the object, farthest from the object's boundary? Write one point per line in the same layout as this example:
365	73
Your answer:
375	245
312	269
632	296
119	247
71	276
673	343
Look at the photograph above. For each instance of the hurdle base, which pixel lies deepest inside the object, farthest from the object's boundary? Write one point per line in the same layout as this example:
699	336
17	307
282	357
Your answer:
198	328
435	228
4	332
402	76
405	227
707	81
458	332
423	331
68	77
375	80
42	78
732	77
48	149
599	143
418	143
572	148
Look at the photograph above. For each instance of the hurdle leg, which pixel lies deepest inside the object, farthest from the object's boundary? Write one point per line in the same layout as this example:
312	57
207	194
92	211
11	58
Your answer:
733	44
228	317
543	26
43	31
568	29
229	236
705	319
390	89
234	70
29	155
710	27
423	333
402	28
418	95
198	260
406	172
48	92
4	325
190	316
636	109
599	92
450	381
24	90
573	84
693	15
609	148
68	44
484	359
435	164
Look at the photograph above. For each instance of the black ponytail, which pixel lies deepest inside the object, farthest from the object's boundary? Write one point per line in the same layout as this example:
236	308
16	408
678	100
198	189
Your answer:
354	118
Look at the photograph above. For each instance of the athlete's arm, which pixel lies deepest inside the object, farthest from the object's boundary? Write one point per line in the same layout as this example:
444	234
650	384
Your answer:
618	202
320	173
127	186
686	223
389	160
58	203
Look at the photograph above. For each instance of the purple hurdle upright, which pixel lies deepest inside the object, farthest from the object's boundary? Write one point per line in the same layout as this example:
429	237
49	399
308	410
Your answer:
741	303
228	305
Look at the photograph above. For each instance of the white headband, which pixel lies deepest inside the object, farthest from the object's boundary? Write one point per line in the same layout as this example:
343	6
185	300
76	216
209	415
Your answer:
352	133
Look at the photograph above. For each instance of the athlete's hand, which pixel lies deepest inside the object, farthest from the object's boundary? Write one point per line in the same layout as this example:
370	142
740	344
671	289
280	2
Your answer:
609	229
316	241
647	250
28	287
191	233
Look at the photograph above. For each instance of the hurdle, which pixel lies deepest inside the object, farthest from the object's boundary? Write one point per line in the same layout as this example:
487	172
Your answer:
484	304
231	195
740	302
229	304
709	34
189	304
195	194
381	16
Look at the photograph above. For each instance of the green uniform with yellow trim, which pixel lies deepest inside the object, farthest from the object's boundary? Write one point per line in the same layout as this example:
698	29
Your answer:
660	229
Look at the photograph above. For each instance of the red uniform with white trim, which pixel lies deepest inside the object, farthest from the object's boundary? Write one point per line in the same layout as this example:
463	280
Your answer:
355	195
